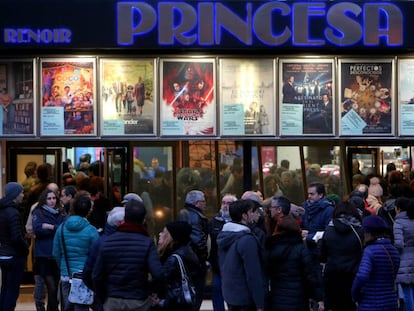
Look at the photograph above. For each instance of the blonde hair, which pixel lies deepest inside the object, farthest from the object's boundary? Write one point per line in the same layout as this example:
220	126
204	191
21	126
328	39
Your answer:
167	243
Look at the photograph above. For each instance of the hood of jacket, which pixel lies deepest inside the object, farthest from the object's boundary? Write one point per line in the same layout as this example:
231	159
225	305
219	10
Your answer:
76	223
343	224
231	232
6	202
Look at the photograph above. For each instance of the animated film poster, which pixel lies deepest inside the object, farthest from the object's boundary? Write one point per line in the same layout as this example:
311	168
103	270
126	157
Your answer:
188	97
406	96
306	94
17	93
68	97
127	96
366	97
247	97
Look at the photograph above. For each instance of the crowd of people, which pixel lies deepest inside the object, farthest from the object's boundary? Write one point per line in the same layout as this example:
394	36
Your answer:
264	254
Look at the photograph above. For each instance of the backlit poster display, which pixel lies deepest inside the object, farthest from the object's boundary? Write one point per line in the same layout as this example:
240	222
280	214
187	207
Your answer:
127	96
306	96
406	96
17	95
68	97
366	97
247	97
187	99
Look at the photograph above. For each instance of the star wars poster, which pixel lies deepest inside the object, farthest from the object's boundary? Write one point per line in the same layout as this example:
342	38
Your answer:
306	96
247	97
187	97
366	97
127	96
406	96
68	96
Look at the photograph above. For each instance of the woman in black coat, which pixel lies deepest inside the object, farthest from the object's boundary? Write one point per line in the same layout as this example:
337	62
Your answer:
292	271
174	240
341	250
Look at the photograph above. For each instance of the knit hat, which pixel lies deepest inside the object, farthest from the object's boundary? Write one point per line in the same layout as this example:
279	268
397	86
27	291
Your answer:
374	224
131	196
180	231
12	190
375	188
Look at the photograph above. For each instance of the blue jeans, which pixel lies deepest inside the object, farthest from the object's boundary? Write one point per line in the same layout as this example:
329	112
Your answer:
66	305
217	297
11	277
408	291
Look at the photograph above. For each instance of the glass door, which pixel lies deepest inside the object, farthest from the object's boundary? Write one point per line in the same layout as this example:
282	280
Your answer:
115	168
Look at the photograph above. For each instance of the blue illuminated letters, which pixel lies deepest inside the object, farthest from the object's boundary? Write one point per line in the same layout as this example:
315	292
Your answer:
271	23
45	36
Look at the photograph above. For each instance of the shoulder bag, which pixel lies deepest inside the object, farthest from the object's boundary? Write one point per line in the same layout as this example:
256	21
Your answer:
79	293
187	295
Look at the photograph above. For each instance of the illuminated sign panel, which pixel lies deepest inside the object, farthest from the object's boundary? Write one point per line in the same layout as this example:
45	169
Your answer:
198	24
183	24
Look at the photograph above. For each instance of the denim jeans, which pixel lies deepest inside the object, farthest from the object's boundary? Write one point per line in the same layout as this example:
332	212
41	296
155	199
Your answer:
11	277
217	297
408	291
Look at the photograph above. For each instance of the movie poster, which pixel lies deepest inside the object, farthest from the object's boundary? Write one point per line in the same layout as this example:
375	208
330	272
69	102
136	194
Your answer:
68	96
306	96
187	97
247	97
366	97
127	96
406	96
17	93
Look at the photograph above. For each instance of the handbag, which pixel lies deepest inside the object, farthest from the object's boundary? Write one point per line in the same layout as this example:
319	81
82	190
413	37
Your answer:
188	293
79	293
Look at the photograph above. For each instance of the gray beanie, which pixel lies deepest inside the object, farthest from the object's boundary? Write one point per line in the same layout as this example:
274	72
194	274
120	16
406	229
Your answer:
12	190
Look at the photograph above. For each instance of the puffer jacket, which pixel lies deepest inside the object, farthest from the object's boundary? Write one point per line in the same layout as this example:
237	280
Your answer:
12	242
125	260
79	235
404	242
293	273
374	284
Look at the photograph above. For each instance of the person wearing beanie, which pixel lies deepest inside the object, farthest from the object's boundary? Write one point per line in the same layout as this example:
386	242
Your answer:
174	240
374	198
374	284
13	248
292	270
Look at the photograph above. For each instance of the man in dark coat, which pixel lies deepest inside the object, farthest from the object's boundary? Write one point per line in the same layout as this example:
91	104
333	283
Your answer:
13	248
126	258
193	213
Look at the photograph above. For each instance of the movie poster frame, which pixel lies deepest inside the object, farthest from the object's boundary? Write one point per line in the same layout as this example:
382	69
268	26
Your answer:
353	117
175	129
238	117
72	81
22	97
405	107
149	120
291	111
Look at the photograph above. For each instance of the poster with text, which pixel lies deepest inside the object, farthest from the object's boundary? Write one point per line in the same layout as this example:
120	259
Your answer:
127	96
247	97
306	93
68	97
17	94
406	96
366	98
187	99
